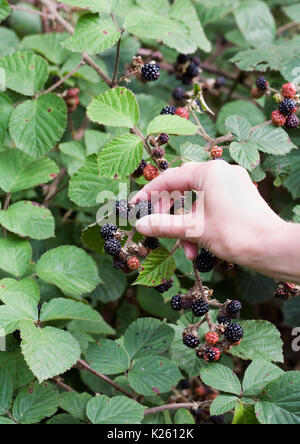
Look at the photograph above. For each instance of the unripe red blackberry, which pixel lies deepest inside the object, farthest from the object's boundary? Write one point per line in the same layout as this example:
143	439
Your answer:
212	354
158	153
143	252
216	152
289	90
257	93
133	263
182	112
73	92
234	333
200	307
150	72
212	338
163	139
191	341
278	119
150	172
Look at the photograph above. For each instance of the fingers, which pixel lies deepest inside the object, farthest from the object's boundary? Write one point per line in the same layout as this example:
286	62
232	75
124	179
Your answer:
190	176
190	249
162	225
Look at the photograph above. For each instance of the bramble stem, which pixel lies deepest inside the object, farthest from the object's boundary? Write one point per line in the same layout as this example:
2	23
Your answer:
180	405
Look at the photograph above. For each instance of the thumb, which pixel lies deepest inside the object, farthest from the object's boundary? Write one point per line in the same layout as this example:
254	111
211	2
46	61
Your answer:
166	225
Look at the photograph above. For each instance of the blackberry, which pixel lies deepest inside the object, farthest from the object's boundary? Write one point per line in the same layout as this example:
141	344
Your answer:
212	354
139	171
292	122
196	60
185	384
151	242
158	153
118	264
163	139
220	81
122	208
186	79
112	247
192	70
182	59
200	307
168	110
150	72
287	107
191	341
108	231
164	165
176	302
234	333
162	288
223	320
205	262
219	419
261	83
142	209
178	94
234	307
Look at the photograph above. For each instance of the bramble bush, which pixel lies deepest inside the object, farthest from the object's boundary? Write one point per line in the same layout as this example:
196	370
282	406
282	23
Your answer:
104	326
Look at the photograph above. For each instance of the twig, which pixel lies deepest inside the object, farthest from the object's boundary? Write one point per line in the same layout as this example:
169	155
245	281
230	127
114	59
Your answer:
202	131
116	68
175	248
7	201
126	76
66	77
180	405
286	27
11	417
83	364
31	11
58	381
53	189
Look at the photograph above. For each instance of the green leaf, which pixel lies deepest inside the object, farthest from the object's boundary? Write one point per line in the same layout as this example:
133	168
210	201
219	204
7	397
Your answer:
96	328
93	35
10	288
147	336
18	171
49	351
28	219
245	154
5	112
291	311
61	308
186	357
6	421
153	375
293	12
121	156
116	107
146	24
15	255
158	267
256	288
64	419
36	403
244	414
75	404
73	155
6	392
93	5
183	416
222	404
108	357
194	153
272	140
69	268
239	127
221	378
116	410
37	125
114	282
9	41
258	375
48	45
172	125
248	110
261	341
4	10
280	403
26	72
256	22
17	368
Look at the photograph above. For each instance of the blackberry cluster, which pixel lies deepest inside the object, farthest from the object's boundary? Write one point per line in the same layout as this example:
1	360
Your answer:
205	262
200	307
150	72
122	208
151	242
287	107
142	209
165	286
191	341
108	231
234	333
112	247
262	83
168	110
176	302
234	307
140	169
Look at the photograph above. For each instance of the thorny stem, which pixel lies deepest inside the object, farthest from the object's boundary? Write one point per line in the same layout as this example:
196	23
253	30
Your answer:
205	298
126	76
202	131
59	381
138	133
183	405
53	189
85	365
175	248
66	77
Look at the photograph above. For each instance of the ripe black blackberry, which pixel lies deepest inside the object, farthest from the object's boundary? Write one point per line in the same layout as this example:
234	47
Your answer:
200	307
234	307
186	79
220	81
112	247
210	355
139	171
176	302
122	208
205	262
223	320
261	83
191	341
150	72
118	264
168	110
163	139
165	286
178	94
234	333
192	70
158	153
164	165
182	59
151	242
287	107
292	122
185	384
142	209
108	231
